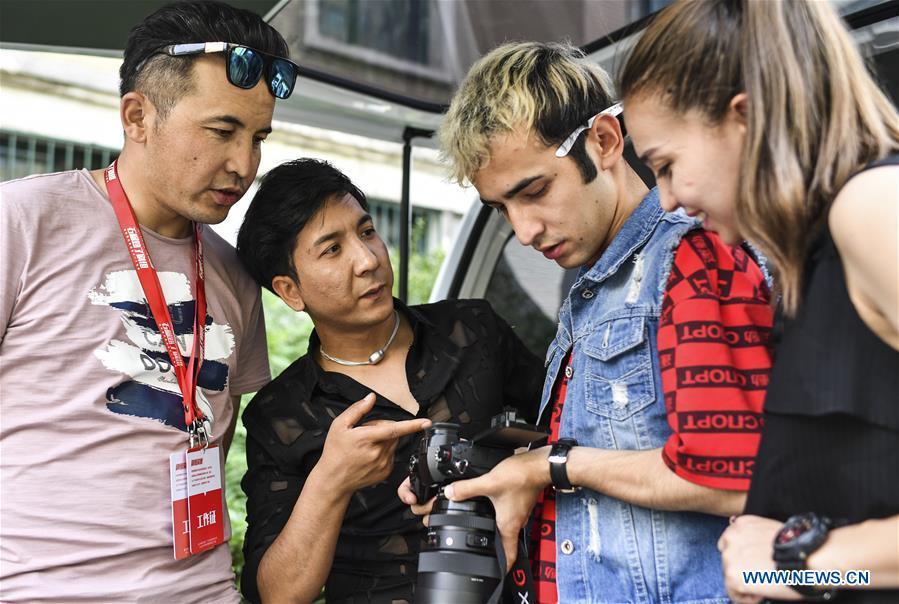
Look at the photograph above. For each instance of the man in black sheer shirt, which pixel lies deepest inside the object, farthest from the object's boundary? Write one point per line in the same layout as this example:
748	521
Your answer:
325	457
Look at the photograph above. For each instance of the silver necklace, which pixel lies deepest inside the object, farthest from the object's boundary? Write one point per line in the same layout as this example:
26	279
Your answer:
376	356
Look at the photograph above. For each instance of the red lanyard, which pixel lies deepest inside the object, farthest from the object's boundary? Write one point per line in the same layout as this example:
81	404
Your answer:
140	256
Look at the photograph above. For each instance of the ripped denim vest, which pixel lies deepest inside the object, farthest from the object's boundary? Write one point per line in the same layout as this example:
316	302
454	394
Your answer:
608	551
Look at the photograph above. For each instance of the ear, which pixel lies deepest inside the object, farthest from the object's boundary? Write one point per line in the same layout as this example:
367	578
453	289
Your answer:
136	112
289	291
606	140
738	108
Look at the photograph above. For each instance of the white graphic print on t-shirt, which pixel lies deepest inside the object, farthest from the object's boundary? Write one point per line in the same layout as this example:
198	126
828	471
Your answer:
153	390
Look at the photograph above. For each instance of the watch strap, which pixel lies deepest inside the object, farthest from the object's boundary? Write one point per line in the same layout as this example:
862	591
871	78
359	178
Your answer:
558	460
798	560
809	592
816	594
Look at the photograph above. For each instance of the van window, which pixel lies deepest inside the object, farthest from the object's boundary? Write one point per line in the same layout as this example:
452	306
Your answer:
527	290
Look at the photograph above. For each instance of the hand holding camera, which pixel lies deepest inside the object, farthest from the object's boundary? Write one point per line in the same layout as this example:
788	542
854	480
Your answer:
459	561
512	487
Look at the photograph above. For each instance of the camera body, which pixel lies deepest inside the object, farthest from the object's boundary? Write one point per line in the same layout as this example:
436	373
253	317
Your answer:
458	562
444	457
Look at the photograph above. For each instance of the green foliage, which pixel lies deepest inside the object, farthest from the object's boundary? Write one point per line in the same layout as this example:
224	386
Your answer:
235	467
288	336
423	268
422	274
286	330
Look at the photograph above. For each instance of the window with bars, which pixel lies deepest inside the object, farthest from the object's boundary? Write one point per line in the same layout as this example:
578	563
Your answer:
22	154
387	218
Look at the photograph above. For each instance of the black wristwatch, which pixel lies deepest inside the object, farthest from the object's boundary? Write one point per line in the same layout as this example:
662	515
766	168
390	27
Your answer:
558	458
799	537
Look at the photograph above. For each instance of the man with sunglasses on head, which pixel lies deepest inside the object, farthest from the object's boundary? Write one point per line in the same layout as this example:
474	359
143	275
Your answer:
129	328
656	376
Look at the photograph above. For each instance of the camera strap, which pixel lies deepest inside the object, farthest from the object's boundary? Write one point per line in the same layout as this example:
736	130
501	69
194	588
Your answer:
520	589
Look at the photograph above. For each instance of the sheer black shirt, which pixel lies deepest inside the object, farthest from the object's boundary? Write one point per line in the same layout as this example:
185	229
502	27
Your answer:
464	365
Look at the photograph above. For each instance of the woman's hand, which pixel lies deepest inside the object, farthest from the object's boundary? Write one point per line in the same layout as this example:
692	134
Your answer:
748	545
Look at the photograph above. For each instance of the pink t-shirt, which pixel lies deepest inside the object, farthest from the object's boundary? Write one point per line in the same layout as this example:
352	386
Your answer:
90	409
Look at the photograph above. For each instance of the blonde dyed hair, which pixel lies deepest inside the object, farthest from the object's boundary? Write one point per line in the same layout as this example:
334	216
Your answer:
815	115
547	88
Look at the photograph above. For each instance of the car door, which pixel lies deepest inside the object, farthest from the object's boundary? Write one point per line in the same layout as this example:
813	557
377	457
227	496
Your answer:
522	286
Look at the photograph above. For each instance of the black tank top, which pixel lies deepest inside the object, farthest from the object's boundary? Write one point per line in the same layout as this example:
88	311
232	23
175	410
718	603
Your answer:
831	439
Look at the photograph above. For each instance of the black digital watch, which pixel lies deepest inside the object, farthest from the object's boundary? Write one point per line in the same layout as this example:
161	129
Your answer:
800	536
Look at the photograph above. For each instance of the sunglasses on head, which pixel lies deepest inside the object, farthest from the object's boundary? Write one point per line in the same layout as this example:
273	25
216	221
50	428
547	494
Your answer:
245	65
563	150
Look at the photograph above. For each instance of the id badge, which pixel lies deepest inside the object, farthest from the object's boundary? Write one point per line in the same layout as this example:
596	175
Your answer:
180	522
205	504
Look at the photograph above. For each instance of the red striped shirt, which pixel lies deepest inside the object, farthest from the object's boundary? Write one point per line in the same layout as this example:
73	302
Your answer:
715	360
543	532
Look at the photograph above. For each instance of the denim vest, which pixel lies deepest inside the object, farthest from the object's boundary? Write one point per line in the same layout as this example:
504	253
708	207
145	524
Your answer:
607	550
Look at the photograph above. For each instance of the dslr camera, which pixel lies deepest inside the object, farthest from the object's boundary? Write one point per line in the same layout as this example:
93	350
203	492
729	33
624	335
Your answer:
458	561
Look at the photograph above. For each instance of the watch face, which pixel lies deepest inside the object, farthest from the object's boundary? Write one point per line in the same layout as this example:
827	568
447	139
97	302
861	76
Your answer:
800	536
793	530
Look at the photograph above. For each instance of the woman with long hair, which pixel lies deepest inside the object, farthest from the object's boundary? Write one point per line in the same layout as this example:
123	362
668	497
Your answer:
760	117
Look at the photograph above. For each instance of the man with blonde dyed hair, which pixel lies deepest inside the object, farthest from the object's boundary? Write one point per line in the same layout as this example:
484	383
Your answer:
655	379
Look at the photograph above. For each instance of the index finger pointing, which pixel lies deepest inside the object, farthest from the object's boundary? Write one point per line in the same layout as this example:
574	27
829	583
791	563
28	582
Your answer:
394	430
355	412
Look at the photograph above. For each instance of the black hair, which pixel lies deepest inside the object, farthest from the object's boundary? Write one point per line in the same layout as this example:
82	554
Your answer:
557	120
289	196
165	79
585	165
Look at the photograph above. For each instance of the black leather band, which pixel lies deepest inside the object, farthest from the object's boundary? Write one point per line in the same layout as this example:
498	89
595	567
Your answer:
558	459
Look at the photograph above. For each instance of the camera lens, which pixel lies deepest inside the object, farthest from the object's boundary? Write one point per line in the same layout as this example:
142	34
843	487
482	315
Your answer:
457	563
